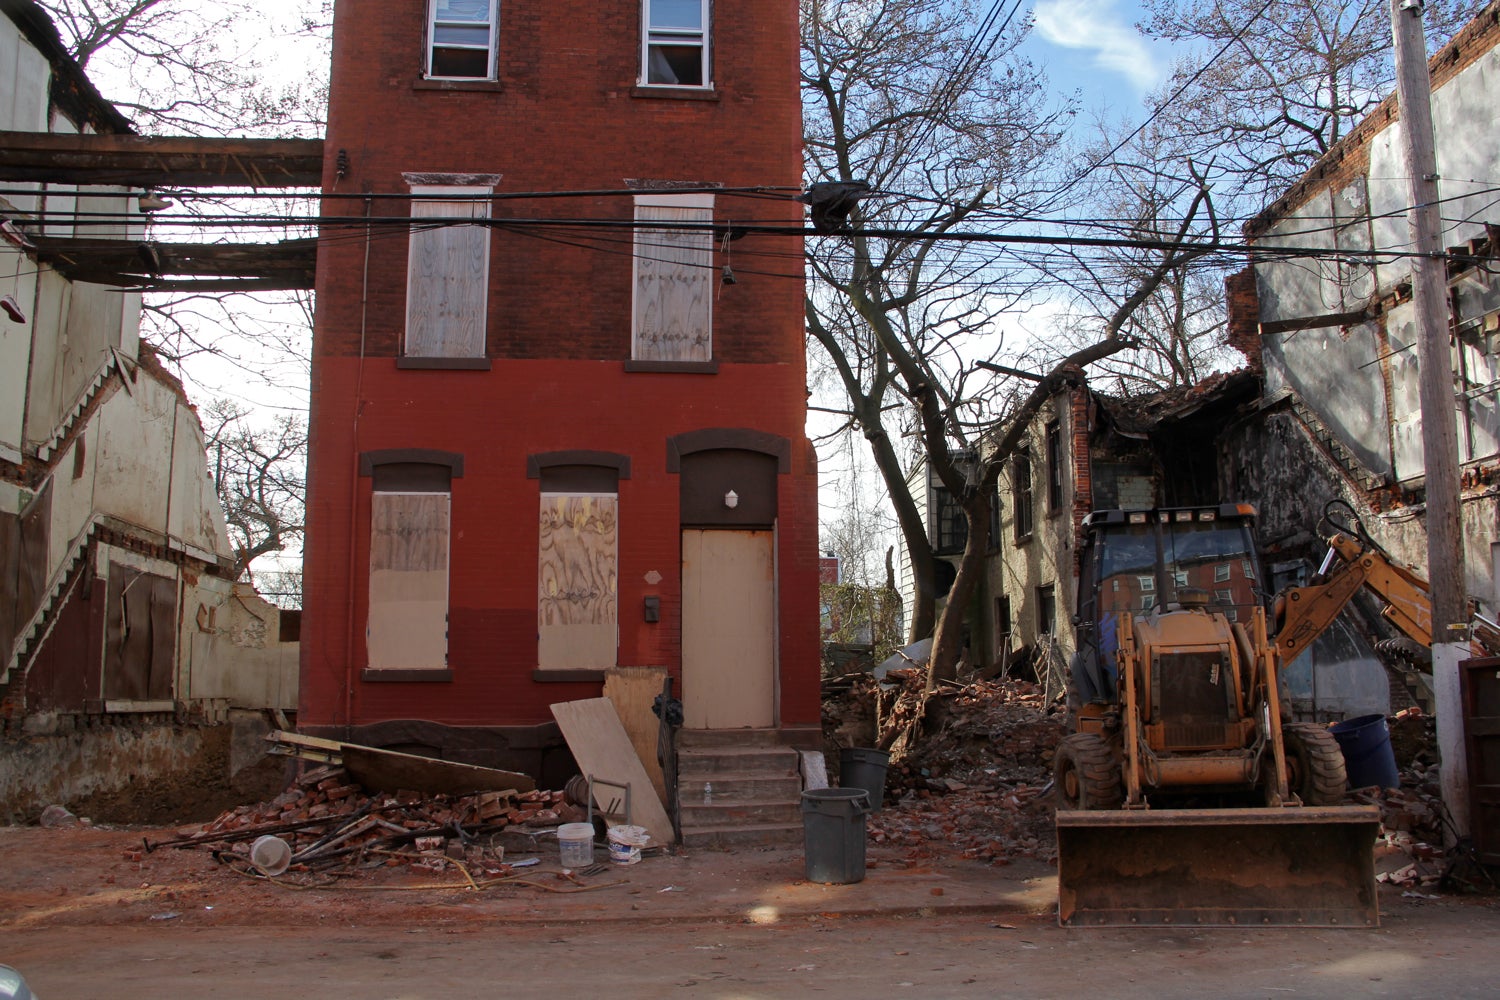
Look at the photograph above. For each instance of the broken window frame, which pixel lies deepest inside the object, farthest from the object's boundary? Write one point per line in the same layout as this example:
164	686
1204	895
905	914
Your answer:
684	40
438	48
1046	610
672	280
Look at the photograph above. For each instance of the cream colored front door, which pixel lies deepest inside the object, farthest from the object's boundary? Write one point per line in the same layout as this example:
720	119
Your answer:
728	629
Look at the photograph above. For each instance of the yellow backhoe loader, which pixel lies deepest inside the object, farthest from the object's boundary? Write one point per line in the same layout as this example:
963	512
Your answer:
1186	793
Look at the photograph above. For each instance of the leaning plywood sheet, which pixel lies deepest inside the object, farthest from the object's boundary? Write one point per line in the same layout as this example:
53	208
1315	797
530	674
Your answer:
633	690
602	748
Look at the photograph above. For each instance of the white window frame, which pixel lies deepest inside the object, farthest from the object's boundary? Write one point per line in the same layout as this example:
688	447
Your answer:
701	37
469	200
432	43
655	246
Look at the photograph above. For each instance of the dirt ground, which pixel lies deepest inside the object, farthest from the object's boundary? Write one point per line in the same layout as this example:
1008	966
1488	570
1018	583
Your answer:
87	912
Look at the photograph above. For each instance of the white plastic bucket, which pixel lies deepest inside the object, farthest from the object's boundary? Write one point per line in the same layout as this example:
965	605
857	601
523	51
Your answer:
625	843
271	855
575	841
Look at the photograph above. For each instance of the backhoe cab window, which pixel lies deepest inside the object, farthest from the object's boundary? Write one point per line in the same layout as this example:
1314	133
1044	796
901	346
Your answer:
1212	556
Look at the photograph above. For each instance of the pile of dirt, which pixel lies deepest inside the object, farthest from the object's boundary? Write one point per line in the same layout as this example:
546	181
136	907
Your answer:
969	764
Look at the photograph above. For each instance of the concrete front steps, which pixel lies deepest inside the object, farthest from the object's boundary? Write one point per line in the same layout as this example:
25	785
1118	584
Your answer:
757	788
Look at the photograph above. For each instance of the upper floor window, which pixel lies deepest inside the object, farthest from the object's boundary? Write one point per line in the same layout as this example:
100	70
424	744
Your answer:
1054	468
447	273
1020	471
461	39
674	44
673	318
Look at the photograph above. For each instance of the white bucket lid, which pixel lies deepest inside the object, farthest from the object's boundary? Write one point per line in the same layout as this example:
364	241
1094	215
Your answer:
576	831
271	855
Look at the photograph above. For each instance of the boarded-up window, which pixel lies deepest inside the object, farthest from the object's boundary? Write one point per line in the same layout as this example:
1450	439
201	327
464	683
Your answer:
408	624
673	279
578	581
140	635
447	275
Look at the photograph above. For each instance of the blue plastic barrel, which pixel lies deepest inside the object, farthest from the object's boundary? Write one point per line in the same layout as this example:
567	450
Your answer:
1368	757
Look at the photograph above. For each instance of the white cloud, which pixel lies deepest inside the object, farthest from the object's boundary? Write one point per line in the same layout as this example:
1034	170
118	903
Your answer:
1095	25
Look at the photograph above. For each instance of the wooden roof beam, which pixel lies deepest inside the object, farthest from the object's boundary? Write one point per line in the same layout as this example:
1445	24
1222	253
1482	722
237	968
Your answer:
160	161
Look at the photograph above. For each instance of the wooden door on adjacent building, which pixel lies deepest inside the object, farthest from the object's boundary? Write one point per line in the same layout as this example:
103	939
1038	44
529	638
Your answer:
728	629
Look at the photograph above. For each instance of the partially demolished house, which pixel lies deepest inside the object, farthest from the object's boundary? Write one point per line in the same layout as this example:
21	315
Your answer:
1335	334
1088	451
117	607
557	424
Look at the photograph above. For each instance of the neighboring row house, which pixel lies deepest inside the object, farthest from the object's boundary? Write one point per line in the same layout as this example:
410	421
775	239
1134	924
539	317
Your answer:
558	389
119	618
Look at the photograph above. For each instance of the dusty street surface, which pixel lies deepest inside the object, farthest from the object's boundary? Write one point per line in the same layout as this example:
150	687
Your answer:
82	918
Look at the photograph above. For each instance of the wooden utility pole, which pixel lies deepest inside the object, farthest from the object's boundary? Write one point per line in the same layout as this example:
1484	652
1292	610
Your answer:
1445	554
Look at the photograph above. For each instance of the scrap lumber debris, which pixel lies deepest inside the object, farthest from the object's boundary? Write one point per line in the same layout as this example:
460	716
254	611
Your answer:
967	772
333	824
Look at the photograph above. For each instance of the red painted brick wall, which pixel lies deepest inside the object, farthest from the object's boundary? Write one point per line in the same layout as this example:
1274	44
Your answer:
564	116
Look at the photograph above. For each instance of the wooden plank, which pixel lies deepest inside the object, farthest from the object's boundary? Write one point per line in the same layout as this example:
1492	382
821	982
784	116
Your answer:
602	748
390	771
632	690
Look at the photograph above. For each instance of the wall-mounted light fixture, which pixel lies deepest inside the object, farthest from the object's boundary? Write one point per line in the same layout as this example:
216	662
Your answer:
731	499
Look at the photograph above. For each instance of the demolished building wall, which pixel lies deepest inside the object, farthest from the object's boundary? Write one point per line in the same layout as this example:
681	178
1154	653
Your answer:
1336	331
115	561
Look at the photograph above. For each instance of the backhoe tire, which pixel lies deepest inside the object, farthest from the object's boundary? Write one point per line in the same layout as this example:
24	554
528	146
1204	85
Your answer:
1087	775
1316	763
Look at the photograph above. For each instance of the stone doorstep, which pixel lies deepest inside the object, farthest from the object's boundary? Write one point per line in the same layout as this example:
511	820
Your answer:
696	817
732	788
768	761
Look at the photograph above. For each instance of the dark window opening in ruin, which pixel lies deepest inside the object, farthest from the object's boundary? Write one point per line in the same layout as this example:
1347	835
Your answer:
1054	468
1046	609
1021	483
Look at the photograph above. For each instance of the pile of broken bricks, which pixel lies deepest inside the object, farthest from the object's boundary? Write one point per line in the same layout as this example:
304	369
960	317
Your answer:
332	823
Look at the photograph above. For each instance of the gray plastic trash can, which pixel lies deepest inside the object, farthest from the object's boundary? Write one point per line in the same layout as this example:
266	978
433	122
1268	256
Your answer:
833	830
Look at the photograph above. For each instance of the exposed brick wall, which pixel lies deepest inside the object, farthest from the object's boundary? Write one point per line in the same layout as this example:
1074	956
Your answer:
1243	328
564	117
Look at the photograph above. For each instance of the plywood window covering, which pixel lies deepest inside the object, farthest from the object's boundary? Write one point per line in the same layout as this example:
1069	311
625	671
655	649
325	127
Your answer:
578	581
447	288
673	280
408	622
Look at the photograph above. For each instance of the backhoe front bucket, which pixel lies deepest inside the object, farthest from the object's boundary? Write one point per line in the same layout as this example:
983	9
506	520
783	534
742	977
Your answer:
1297	866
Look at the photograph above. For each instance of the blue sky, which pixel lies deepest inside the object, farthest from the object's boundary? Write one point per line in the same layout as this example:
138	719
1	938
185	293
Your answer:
1092	46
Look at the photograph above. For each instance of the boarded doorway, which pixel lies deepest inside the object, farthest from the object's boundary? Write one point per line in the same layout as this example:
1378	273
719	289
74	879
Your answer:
728	629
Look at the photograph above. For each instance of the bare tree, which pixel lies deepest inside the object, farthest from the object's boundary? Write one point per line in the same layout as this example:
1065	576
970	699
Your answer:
191	66
1141	188
929	105
1273	84
260	475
